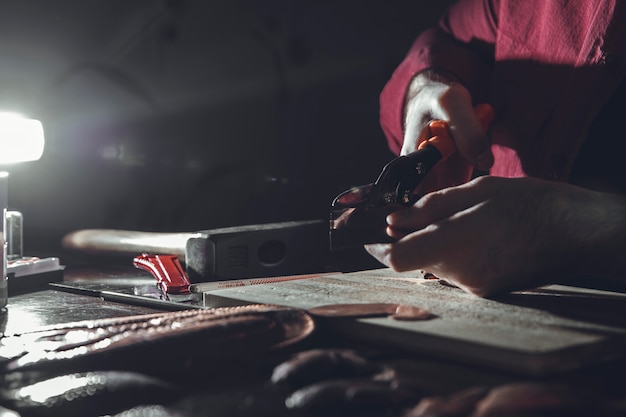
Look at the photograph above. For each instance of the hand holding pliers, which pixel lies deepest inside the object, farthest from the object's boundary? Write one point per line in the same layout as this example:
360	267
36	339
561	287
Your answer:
358	214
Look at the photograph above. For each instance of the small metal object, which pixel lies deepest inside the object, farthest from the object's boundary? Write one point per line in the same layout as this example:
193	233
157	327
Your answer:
420	169
14	237
4	288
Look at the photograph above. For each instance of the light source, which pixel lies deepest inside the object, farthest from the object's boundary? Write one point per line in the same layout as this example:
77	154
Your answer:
21	140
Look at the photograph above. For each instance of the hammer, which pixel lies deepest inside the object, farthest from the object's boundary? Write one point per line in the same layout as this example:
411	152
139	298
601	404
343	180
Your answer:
249	251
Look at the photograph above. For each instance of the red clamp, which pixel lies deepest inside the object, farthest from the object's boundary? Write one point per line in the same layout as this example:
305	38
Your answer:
170	275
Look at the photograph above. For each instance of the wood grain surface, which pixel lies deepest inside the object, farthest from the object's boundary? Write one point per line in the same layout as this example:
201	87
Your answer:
534	332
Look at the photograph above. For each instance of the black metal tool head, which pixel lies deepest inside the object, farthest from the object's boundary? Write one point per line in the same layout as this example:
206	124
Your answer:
358	214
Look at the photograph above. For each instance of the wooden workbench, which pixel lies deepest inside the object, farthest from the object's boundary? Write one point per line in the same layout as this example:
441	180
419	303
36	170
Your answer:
471	341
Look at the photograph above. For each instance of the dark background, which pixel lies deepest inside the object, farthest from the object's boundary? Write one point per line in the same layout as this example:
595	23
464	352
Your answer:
187	115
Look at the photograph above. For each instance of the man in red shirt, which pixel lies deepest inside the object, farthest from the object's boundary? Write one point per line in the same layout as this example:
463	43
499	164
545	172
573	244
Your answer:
552	71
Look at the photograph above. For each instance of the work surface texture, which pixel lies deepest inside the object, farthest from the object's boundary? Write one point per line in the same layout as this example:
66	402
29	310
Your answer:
190	378
533	332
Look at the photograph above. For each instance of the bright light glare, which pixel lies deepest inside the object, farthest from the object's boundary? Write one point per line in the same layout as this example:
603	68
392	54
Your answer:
47	390
21	139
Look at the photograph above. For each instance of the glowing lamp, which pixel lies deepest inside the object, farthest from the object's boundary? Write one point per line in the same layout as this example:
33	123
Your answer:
21	140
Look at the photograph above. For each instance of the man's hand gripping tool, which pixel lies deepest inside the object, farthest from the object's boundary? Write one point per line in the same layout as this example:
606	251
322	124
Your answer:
358	214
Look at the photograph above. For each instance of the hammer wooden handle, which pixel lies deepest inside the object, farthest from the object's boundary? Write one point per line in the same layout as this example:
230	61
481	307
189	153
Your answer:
127	242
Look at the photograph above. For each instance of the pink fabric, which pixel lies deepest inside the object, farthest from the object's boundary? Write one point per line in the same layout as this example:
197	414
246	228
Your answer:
547	67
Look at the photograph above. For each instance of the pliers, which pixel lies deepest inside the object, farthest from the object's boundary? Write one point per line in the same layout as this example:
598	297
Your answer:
358	214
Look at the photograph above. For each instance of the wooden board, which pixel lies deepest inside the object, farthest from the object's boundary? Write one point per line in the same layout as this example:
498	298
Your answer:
535	332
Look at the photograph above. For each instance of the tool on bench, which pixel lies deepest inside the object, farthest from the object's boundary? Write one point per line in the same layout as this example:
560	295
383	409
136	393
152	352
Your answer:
248	251
358	214
169	273
174	284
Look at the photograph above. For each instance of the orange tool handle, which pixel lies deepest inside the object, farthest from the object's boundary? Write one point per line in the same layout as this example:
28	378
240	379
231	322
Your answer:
440	136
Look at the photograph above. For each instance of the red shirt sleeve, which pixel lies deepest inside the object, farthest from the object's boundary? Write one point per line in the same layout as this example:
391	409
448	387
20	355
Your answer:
462	44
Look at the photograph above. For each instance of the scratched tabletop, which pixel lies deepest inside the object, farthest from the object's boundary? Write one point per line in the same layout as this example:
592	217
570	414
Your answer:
535	332
554	333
